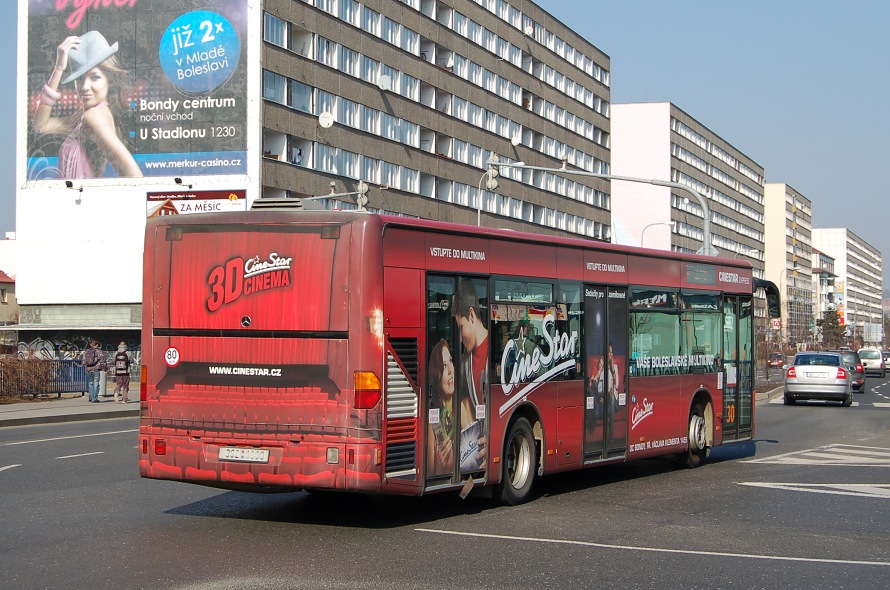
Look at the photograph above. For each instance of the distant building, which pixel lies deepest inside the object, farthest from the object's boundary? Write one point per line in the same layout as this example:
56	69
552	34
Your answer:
859	271
789	259
9	309
823	288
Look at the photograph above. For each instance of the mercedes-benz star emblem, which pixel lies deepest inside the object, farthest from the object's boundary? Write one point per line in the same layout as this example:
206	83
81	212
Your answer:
245	321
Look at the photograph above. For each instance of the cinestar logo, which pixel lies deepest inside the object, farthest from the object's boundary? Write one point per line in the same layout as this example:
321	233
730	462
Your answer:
641	412
237	277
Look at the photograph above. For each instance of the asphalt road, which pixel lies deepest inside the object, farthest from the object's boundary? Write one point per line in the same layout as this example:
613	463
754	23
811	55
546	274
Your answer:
804	505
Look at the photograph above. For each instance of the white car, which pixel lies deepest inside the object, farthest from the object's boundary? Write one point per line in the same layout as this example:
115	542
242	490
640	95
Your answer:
872	361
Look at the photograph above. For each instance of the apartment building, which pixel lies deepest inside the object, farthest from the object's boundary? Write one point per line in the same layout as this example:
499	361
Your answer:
788	230
857	284
662	142
413	97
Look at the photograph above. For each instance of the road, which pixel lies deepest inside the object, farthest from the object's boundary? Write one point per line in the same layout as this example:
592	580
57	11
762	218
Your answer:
804	505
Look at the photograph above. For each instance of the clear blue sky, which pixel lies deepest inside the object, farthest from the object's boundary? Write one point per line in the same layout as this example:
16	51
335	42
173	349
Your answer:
800	86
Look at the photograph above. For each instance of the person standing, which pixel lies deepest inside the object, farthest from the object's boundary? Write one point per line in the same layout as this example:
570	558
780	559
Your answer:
122	362
95	363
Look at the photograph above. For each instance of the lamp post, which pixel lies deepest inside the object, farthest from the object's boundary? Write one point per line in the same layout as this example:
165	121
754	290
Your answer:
707	248
670	224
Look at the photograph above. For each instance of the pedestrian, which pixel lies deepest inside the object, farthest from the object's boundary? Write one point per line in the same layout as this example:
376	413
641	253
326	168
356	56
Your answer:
95	363
121	373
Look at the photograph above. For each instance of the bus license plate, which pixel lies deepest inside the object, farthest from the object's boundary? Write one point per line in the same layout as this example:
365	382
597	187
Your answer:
244	455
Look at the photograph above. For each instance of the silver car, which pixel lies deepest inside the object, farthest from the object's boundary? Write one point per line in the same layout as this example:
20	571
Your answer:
818	375
872	361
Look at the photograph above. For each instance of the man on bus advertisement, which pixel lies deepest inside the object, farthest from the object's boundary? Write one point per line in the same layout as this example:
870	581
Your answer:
136	88
473	375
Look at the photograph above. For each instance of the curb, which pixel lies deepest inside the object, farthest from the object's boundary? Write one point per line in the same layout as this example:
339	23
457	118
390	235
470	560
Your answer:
59	418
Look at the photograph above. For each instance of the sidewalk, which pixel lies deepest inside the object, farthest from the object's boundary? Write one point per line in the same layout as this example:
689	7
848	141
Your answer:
73	407
70	407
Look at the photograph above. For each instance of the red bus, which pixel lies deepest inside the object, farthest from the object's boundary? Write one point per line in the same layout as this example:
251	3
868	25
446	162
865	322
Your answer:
286	350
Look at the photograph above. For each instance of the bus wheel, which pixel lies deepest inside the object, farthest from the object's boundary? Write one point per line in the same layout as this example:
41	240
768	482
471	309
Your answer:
698	439
518	465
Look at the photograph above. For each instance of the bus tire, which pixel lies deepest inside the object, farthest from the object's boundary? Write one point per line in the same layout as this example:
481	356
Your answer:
519	465
697	451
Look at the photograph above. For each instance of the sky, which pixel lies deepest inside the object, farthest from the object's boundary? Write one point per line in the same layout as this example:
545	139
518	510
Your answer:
800	86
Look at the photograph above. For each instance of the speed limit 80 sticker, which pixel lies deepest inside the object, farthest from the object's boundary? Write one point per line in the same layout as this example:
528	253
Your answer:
171	356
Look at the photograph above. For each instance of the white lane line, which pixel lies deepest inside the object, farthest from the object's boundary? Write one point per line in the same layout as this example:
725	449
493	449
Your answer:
5	467
82	455
40	440
657	549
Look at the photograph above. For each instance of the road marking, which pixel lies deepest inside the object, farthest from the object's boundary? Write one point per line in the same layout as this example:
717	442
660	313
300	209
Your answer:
656	549
40	440
82	455
780	400
837	455
881	405
10	466
840	489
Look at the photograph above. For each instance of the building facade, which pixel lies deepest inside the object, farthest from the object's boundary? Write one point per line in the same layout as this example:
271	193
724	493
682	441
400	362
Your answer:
660	141
293	99
413	97
857	286
823	290
789	261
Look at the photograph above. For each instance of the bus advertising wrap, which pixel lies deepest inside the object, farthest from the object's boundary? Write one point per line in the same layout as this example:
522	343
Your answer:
133	88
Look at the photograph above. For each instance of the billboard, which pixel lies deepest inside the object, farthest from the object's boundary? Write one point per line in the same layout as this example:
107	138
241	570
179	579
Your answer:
185	202
136	88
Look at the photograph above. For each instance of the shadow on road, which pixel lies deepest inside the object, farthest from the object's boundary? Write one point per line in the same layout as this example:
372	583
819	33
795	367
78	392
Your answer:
373	512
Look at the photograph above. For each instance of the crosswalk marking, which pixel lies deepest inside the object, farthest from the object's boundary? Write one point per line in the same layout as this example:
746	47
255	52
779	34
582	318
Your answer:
839	455
840	489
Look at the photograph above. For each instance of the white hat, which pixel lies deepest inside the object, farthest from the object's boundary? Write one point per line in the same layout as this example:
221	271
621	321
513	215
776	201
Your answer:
92	51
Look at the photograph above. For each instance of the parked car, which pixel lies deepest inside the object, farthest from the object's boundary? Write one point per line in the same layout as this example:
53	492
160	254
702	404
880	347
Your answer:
854	365
818	375
872	361
776	359
886	355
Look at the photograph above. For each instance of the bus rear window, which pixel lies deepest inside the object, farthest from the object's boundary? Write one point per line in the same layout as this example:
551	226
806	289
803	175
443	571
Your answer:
232	277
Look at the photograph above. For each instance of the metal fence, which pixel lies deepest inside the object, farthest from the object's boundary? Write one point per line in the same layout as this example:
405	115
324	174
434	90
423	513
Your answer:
34	377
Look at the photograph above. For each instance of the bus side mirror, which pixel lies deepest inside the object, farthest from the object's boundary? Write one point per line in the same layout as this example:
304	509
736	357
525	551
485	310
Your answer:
773	301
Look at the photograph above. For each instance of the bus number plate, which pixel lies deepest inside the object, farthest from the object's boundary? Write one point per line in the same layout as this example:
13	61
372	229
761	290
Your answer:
244	455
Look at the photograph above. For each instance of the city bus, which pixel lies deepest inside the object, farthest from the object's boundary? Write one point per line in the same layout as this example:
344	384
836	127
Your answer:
289	350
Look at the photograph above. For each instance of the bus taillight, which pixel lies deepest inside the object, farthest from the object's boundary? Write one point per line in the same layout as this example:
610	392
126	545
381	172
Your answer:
367	390
143	383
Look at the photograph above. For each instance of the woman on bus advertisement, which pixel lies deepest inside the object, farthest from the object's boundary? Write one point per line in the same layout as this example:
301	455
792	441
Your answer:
93	134
473	377
440	440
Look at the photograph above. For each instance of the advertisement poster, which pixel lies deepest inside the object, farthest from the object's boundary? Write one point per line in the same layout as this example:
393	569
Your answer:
185	202
133	88
606	358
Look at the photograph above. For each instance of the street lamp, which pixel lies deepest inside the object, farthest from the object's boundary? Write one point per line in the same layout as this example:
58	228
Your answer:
491	182
670	224
707	248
